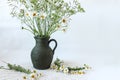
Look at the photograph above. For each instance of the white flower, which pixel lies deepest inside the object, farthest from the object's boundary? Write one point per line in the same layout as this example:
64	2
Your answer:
31	14
64	30
24	78
87	67
43	16
65	21
66	70
54	67
75	72
33	75
40	74
27	14
34	71
34	14
72	72
81	72
61	68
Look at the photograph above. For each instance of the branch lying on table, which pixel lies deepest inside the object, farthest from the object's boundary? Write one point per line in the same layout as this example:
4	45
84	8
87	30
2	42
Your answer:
16	68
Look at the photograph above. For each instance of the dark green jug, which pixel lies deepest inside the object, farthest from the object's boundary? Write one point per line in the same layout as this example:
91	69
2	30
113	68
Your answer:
42	54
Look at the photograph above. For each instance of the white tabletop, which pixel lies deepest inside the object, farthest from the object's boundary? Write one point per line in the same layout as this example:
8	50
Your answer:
103	67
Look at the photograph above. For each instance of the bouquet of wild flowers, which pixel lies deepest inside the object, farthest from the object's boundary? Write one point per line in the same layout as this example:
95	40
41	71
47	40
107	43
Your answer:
44	17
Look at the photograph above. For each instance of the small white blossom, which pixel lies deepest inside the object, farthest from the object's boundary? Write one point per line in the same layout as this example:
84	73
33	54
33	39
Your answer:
66	70
34	14
65	21
72	72
43	16
87	67
24	78
33	75
81	72
61	68
54	67
40	74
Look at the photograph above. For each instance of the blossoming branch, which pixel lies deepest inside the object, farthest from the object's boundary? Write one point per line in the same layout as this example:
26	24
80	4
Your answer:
44	17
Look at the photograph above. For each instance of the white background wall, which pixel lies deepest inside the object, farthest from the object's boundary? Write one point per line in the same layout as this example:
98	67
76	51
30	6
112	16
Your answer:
95	33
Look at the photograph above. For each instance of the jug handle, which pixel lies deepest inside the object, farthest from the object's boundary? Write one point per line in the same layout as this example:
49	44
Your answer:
55	44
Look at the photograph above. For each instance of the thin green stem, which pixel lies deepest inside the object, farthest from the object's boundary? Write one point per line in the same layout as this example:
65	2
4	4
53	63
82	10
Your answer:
29	30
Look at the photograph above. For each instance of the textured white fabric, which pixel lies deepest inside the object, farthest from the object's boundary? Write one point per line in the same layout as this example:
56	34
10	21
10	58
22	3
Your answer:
101	68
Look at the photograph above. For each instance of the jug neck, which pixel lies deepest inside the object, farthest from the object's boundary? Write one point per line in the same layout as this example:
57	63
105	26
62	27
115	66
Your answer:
42	40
